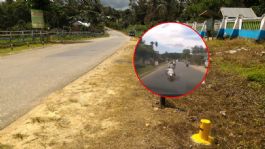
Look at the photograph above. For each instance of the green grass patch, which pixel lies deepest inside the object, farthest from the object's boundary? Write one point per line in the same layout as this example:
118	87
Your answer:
257	77
23	46
254	73
244	64
227	44
9	51
76	37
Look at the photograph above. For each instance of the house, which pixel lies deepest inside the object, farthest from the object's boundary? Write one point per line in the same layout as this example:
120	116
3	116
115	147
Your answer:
78	25
232	12
241	22
209	26
212	24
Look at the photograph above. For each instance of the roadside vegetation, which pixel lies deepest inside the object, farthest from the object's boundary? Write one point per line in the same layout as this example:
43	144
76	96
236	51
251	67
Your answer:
139	16
17	45
17	34
15	15
248	61
9	51
143	14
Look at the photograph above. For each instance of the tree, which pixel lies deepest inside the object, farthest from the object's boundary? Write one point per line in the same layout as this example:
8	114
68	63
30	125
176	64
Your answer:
39	4
258	6
186	54
152	43
198	50
139	10
14	13
144	52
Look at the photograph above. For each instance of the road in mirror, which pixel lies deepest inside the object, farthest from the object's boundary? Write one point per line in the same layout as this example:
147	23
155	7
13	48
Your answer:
171	59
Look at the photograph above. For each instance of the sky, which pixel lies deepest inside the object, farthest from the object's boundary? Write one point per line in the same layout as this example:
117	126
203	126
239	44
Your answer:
173	38
118	4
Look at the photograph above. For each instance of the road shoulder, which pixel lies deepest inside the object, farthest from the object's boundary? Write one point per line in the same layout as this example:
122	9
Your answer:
199	68
105	108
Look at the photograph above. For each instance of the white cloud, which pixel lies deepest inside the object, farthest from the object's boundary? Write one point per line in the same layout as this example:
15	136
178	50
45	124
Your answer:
173	37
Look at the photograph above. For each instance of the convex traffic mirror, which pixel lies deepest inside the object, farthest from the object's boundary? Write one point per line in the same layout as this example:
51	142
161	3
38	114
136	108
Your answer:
171	60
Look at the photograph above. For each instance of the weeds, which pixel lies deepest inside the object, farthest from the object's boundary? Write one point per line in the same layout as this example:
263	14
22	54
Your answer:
19	136
255	73
222	45
257	77
247	64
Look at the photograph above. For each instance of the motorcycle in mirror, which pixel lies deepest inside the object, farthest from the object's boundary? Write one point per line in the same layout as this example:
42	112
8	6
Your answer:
170	74
187	64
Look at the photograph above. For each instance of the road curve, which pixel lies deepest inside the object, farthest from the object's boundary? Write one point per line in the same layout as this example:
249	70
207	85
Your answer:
186	79
27	77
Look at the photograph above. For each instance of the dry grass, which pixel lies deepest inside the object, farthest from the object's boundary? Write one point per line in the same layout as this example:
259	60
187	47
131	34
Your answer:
108	108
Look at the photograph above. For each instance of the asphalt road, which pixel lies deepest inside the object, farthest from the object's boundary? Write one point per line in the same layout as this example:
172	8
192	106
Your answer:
186	79
27	77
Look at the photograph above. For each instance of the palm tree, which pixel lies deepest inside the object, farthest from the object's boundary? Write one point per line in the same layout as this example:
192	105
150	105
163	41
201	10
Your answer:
152	44
156	44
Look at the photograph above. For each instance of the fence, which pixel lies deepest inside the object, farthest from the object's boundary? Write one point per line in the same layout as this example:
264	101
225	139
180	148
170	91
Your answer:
253	28
200	27
18	38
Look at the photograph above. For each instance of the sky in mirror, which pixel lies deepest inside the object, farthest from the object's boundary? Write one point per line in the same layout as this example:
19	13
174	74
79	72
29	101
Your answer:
173	38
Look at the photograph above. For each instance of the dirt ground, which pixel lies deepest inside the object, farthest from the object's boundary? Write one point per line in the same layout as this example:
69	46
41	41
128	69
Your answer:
109	108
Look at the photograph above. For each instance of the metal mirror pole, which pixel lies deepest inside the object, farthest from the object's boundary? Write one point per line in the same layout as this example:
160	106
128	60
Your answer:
162	102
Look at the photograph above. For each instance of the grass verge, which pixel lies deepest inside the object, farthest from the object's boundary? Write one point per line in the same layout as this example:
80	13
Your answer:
255	73
222	45
247	63
15	50
24	47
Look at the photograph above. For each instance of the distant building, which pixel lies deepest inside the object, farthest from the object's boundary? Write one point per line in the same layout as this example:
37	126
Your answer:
232	12
212	22
78	25
241	22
